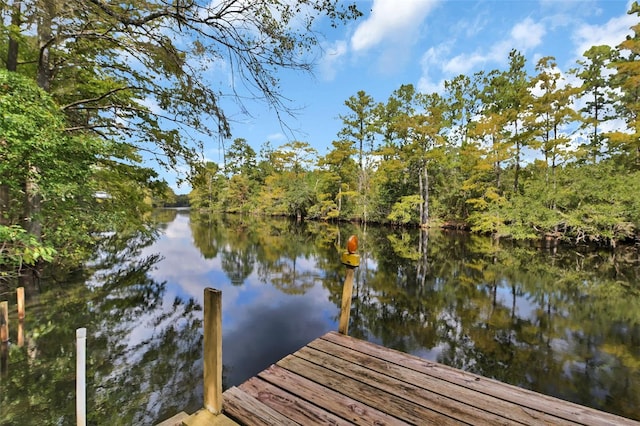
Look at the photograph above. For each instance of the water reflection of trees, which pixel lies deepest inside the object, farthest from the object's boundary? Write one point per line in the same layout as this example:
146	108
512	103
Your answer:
127	382
274	249
574	337
561	321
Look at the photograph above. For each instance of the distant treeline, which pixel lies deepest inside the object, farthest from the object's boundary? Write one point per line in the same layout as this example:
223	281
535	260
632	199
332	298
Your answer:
550	154
169	200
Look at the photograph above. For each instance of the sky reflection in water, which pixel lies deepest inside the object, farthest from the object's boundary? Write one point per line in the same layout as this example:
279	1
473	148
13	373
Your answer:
565	323
260	323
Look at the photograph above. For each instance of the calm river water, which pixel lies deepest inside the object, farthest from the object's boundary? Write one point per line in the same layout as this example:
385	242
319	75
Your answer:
563	322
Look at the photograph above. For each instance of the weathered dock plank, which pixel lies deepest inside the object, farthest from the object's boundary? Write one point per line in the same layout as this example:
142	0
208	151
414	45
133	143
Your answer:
339	380
520	398
300	410
250	411
404	388
470	400
341	405
394	405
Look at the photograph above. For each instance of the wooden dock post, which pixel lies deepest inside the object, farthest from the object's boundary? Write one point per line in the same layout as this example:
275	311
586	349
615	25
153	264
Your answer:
20	296
4	322
351	260
21	314
20	334
81	389
213	350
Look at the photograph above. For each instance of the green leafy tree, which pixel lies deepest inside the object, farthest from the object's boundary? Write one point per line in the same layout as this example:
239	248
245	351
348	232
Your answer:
627	80
38	160
491	150
208	184
424	144
391	178
124	77
507	94
462	95
75	53
552	112
595	90
338	183
237	196
550	123
405	210
359	128
296	157
290	189
240	158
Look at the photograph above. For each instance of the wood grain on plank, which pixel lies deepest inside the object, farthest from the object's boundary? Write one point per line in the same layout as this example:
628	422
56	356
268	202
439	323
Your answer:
447	389
249	411
407	390
526	399
366	393
293	406
339	404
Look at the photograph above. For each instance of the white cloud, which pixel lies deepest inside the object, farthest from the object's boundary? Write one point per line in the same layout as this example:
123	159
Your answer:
332	59
462	64
391	19
611	33
432	58
426	85
273	137
524	35
527	34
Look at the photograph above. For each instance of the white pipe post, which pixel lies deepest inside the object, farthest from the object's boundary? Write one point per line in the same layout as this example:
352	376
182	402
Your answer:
81	393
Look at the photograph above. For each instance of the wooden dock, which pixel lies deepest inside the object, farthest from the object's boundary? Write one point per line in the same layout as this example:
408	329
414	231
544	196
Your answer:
339	380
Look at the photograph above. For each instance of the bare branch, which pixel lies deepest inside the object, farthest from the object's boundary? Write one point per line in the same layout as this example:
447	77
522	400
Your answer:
99	98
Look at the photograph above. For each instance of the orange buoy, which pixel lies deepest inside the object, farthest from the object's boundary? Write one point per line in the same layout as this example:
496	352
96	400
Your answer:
352	244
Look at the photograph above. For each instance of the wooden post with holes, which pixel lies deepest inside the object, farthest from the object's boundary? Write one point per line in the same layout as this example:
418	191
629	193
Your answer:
351	260
213	350
4	322
20	296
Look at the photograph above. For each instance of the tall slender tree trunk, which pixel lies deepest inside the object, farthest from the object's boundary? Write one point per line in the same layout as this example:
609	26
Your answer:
496	163
12	51
45	35
4	199
517	168
32	198
518	152
421	189
425	195
32	206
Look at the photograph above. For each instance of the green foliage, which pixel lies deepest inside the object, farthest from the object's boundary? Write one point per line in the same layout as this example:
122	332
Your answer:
97	119
405	211
498	152
72	56
65	172
208	185
19	249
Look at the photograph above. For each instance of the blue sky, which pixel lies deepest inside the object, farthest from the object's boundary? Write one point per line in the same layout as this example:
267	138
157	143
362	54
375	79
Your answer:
422	42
